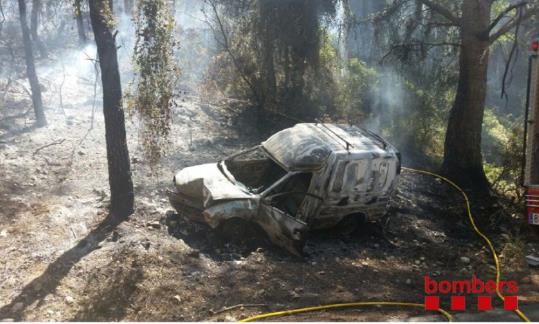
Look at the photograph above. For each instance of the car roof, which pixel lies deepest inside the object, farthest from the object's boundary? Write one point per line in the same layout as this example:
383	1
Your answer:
307	146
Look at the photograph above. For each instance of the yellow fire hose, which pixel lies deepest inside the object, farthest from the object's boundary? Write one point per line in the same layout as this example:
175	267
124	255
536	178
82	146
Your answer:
403	304
343	305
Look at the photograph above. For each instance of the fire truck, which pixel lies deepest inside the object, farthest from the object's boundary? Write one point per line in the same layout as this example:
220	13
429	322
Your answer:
530	167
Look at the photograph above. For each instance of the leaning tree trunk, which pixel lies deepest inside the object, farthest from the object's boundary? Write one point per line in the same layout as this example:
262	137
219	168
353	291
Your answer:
34	23
121	185
463	161
80	23
30	68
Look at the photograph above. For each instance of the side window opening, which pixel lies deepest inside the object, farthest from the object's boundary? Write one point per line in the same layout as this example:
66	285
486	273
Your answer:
293	191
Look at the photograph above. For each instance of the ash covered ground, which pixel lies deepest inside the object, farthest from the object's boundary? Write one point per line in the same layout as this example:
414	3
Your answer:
62	259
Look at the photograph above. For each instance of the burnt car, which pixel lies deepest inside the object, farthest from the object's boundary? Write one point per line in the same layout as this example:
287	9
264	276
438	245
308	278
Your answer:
307	177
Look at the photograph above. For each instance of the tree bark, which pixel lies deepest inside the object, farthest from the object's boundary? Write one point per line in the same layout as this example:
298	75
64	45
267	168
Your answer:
34	23
80	23
121	185
30	68
463	160
269	83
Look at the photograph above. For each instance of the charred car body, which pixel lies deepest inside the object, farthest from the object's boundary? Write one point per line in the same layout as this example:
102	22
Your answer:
310	176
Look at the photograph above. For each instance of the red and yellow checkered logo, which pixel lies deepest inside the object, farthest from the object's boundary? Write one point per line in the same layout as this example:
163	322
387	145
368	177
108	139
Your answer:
459	291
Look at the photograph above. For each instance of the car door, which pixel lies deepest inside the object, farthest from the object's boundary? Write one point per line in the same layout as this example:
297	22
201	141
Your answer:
283	229
281	208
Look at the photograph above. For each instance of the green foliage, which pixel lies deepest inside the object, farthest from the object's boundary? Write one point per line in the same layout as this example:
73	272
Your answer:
495	136
107	13
502	148
417	78
513	251
403	88
151	94
413	116
353	89
276	56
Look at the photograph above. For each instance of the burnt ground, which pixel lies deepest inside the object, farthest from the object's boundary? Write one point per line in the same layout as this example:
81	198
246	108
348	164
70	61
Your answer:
61	258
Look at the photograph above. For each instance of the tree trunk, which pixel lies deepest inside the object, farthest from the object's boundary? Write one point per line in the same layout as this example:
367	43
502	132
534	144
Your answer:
80	23
269	86
463	161
30	68
34	23
121	185
128	7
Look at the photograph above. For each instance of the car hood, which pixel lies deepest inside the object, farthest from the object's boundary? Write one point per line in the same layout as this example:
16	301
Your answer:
207	184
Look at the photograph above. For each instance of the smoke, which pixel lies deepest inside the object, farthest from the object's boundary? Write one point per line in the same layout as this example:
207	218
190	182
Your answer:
125	41
69	75
197	42
387	101
69	80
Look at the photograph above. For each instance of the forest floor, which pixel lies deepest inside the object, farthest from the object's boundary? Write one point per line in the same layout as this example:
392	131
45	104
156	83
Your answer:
60	258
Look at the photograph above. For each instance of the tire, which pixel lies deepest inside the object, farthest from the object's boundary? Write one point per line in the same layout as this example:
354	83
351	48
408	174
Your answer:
237	230
349	224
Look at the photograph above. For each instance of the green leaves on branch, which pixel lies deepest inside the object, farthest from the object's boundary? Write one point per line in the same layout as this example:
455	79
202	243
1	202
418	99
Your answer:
151	95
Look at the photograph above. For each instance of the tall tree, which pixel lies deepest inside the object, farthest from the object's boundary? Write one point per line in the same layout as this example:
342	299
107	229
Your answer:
30	68
121	185
275	48
80	22
266	32
34	24
462	150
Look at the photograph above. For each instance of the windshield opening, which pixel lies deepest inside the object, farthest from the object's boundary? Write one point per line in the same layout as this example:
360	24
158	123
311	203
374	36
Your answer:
254	169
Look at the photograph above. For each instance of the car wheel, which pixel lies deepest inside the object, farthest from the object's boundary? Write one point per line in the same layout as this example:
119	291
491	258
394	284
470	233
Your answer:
237	230
349	224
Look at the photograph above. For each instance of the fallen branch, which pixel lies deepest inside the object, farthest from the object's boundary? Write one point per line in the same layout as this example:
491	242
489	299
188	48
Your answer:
47	145
226	309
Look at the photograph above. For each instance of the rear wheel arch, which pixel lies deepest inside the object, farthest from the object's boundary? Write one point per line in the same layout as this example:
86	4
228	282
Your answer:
351	222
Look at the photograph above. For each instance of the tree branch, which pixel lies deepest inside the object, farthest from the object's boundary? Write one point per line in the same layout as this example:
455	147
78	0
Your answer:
503	13
226	44
514	49
442	11
226	309
386	12
512	23
60	141
416	44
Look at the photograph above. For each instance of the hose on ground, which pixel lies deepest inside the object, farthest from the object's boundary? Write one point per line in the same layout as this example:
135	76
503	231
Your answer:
404	304
477	231
340	306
